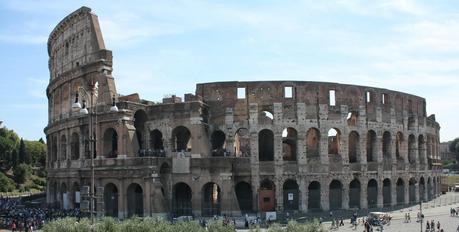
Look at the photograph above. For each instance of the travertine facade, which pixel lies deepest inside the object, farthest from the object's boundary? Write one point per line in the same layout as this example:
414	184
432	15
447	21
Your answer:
232	147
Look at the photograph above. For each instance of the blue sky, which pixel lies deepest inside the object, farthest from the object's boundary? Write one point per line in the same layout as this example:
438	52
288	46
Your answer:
166	47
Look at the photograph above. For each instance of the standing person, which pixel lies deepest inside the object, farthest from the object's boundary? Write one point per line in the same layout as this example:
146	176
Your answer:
13	226
438	225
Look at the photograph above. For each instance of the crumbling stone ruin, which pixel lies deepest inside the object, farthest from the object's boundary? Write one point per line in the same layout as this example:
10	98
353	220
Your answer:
232	147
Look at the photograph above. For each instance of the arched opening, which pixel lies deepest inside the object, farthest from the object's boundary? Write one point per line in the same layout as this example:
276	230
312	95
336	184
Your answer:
421	149
411	123
333	141
217	140
75	146
352	118
412	190
135	200
312	143
400	191
336	195
434	187
76	195
156	143
182	200
429	189
412	149
111	200
422	189
354	194
314	196
289	144
211	200
65	196
265	117
242	143
244	196
110	143
140	117
354	149
290	195
371	146
63	148
372	193
54	149
181	139
386	149
266	195
266	145
387	192
398	147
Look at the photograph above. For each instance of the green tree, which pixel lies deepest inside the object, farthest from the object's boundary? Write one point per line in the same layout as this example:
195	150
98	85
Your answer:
22	173
37	152
9	142
24	156
6	184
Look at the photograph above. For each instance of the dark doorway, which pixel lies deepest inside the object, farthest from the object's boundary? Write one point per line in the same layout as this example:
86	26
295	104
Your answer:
111	200
182	200
135	200
290	195
244	196
211	200
314	196
336	195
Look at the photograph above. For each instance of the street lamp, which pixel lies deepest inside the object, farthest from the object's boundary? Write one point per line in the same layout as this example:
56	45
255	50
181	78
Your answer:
83	109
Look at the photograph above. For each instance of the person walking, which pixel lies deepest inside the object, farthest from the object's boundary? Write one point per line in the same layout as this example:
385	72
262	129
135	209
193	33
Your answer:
438	225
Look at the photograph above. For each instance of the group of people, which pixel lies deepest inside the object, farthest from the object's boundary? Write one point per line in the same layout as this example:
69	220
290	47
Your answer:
17	217
430	226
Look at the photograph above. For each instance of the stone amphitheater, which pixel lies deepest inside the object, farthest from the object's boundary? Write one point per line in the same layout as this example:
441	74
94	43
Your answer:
231	147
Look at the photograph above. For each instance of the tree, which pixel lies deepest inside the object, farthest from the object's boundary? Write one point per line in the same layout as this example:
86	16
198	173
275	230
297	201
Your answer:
9	142
37	152
22	172
22	152
6	184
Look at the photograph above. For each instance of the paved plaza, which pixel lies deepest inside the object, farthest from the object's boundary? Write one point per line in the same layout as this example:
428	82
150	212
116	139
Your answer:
437	210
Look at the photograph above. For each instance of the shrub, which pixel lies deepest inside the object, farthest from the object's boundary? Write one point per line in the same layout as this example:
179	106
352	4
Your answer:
6	184
22	172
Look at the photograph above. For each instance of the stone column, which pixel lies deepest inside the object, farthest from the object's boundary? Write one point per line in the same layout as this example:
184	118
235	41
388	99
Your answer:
345	195
407	191
380	198
303	198
416	192
324	196
279	195
324	147
122	200
364	194
393	192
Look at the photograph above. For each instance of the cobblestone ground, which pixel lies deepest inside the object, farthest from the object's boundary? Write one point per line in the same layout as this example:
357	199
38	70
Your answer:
437	209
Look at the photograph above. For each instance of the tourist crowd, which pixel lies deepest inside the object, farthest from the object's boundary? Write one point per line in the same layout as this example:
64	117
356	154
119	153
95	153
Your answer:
17	217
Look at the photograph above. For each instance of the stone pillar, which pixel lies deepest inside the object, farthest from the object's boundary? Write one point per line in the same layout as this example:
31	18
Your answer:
393	192
407	191
147	197
122	200
380	199
324	196
416	192
279	195
324	147
364	194
303	198
345	195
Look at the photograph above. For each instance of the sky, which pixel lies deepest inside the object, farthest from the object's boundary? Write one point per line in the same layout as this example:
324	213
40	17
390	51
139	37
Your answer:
166	47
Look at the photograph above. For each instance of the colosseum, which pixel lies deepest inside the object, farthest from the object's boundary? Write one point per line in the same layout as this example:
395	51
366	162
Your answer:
231	147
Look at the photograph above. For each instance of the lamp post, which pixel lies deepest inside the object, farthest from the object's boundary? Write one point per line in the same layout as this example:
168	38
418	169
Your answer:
83	109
